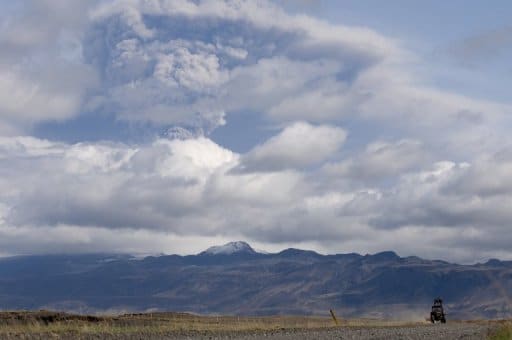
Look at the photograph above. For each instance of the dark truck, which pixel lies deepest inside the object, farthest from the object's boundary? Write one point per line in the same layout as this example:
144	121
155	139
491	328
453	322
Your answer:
437	313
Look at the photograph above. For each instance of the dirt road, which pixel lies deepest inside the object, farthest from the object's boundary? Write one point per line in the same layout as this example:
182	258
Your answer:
448	331
466	331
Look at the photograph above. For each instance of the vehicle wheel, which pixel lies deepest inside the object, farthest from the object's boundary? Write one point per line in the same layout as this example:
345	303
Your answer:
443	320
432	319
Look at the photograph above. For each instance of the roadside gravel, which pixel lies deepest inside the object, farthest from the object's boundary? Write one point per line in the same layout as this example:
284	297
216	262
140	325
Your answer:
466	331
453	331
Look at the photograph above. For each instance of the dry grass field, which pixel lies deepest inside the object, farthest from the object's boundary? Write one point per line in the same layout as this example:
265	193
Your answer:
503	333
155	322
54	322
44	324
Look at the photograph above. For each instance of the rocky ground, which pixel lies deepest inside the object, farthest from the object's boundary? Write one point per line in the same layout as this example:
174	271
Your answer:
449	331
466	331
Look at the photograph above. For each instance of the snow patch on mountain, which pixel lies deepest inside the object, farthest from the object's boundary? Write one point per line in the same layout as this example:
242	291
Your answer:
238	247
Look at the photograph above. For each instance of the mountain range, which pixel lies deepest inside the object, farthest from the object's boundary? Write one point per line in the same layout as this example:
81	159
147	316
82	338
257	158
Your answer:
236	279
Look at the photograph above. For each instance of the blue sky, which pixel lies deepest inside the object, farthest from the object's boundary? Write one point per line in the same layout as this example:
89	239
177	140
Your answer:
341	126
441	32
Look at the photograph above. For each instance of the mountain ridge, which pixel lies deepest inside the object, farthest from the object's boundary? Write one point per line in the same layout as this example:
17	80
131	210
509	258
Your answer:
246	282
230	248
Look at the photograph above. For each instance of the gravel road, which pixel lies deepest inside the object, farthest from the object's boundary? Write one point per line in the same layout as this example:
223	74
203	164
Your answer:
453	331
466	331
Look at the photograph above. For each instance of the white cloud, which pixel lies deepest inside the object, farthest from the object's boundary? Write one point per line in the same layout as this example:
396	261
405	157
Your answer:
27	99
41	74
244	55
326	103
170	62
381	160
286	67
488	177
298	145
187	189
414	160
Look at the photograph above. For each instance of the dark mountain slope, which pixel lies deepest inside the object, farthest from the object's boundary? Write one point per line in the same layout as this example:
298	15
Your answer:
247	282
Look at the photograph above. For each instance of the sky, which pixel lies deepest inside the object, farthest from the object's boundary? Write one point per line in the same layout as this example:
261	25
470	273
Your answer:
168	126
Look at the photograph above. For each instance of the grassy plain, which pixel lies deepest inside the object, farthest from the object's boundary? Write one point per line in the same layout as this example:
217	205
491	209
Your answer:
44	324
503	333
54	322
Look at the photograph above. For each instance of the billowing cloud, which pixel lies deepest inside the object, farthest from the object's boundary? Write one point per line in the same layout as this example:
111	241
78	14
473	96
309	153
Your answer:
188	188
297	146
364	154
190	63
41	74
159	65
381	160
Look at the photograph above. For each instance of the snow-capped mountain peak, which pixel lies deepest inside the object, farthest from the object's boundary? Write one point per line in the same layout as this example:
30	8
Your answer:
238	247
